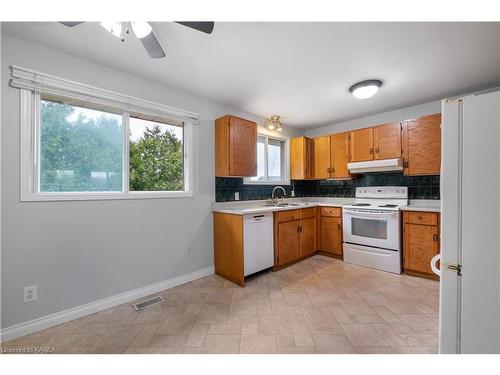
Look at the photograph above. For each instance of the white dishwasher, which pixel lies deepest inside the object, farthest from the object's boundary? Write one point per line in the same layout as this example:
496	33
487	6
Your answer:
258	243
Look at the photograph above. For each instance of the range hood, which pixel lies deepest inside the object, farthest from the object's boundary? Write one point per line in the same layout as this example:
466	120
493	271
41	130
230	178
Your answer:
386	165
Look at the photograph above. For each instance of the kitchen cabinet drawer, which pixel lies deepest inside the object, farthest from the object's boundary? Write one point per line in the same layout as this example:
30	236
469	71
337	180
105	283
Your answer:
307	212
424	218
289	215
331	211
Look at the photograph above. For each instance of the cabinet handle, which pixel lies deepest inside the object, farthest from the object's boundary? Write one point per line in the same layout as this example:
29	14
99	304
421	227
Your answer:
371	151
339	227
377	150
405	164
333	170
435	237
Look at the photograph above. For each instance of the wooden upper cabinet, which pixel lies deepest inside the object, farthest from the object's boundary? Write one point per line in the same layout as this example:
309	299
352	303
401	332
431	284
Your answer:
422	145
301	158
322	157
361	145
387	141
235	147
339	150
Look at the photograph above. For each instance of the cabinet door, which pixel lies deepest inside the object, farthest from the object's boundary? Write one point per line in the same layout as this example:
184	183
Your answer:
297	158
322	157
387	141
421	244
361	145
307	236
288	242
331	235
309	151
422	145
242	147
339	148
301	158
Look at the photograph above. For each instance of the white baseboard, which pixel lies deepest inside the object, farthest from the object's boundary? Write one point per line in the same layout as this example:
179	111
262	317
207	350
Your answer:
51	320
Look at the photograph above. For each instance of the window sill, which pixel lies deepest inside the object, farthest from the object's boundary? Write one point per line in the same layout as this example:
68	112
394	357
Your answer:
99	196
246	182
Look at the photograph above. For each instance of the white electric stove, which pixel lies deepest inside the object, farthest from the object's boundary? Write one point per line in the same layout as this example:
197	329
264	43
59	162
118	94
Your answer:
372	227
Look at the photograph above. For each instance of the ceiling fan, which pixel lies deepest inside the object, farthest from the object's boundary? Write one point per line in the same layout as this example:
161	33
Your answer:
144	32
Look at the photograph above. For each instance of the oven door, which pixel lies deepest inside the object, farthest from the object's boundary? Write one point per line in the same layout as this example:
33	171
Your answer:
375	228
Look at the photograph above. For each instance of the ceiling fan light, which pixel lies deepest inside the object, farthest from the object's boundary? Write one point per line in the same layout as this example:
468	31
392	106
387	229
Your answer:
141	29
365	89
114	28
270	126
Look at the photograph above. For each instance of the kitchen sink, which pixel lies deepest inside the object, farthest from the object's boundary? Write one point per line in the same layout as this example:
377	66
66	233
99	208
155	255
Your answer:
285	205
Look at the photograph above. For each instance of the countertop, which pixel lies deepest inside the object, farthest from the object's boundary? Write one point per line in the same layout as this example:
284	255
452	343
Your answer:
429	205
259	206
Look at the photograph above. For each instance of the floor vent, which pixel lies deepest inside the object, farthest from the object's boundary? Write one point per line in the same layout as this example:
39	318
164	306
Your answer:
149	302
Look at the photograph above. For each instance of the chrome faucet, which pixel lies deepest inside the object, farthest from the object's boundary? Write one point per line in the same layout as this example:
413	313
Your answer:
274	200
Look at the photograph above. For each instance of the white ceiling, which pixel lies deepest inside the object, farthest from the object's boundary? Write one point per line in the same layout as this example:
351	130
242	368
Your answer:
301	71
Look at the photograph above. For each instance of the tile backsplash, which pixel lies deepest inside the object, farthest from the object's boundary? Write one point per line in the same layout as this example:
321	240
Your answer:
419	187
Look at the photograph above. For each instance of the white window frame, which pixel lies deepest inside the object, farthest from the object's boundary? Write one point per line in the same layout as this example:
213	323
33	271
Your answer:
286	161
31	83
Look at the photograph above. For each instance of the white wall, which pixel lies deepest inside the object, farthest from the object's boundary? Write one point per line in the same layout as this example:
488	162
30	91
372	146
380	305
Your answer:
79	252
380	118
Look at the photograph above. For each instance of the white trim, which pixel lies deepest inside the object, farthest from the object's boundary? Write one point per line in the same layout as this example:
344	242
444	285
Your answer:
286	167
51	320
126	152
99	196
28	79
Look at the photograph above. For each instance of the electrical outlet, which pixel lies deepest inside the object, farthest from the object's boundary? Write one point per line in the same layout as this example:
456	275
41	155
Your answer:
236	196
30	293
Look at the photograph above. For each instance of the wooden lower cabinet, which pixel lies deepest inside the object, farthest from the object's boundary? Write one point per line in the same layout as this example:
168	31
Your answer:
307	237
421	242
295	235
228	247
331	235
288	242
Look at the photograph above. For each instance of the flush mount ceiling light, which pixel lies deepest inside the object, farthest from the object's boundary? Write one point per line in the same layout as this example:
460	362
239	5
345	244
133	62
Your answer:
365	89
273	123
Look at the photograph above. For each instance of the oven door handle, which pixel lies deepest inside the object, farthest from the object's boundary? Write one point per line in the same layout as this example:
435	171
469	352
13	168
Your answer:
371	215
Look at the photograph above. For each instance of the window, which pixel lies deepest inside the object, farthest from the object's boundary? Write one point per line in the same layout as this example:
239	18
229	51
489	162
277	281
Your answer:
77	146
272	164
156	156
81	149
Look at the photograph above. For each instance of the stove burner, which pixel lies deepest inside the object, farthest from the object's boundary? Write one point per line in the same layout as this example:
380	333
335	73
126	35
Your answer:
389	205
361	204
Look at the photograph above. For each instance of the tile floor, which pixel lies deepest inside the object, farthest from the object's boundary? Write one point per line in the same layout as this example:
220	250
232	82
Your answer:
321	305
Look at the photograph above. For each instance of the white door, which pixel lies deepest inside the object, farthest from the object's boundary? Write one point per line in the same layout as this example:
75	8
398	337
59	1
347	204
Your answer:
470	225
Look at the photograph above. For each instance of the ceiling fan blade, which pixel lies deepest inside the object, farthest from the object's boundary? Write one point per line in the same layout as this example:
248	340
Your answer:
70	23
152	46
204	27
